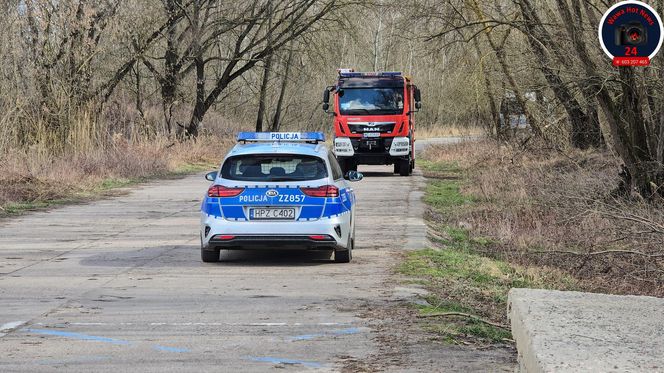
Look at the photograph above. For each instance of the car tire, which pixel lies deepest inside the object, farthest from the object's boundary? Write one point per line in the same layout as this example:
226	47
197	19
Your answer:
209	256
345	256
343	163
404	167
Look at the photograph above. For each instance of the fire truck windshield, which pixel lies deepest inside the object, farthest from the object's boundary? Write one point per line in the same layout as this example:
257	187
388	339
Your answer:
371	101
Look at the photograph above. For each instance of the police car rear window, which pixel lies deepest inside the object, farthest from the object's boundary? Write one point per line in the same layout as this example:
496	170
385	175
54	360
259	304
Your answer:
274	167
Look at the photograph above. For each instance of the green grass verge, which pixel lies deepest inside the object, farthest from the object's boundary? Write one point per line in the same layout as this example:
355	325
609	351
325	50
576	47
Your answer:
19	207
460	276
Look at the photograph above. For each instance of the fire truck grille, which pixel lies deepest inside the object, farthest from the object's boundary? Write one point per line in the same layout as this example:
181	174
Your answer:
381	127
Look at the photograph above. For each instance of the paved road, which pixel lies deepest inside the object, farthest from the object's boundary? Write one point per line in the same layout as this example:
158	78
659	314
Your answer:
118	285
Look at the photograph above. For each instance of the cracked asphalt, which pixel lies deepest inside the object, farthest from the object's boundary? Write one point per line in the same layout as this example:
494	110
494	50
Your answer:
118	285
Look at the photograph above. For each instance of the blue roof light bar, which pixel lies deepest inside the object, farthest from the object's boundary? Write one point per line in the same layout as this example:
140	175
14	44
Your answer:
281	136
344	74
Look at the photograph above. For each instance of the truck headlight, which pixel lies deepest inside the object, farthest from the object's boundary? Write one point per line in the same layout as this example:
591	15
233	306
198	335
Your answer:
343	147
400	146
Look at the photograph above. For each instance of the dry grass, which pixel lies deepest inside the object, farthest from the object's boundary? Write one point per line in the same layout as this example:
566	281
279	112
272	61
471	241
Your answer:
448	131
35	177
546	208
78	153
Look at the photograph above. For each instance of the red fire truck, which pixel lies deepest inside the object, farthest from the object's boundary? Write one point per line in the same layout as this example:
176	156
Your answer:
373	119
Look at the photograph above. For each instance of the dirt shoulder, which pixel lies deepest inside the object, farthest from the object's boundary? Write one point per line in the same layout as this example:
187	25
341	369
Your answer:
407	339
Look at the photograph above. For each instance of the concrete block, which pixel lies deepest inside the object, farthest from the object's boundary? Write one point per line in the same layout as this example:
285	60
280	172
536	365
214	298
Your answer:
560	331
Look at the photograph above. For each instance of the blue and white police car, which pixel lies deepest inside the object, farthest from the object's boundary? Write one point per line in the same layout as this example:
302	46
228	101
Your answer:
279	190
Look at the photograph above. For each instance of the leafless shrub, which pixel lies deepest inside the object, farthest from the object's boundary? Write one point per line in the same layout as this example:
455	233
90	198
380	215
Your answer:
560	209
27	176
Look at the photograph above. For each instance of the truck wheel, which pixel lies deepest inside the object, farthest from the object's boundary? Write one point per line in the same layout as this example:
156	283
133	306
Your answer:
352	165
396	167
404	167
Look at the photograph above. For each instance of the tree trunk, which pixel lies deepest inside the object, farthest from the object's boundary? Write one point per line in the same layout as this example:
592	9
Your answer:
276	119
585	131
495	116
261	101
199	108
266	73
169	82
506	71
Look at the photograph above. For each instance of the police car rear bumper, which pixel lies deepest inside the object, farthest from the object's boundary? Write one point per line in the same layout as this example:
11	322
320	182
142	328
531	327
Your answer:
276	234
257	242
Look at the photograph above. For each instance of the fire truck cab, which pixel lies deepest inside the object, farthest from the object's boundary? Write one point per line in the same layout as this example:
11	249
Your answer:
373	119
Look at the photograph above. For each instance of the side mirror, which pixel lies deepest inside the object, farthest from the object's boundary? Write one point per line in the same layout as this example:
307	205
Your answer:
353	176
417	95
326	100
211	176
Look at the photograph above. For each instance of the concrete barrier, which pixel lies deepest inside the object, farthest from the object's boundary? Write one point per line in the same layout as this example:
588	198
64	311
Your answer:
559	331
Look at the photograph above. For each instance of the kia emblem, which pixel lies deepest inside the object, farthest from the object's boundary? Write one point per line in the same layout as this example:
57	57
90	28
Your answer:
272	193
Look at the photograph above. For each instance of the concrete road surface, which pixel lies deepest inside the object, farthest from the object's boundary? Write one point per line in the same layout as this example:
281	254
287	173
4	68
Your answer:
118	285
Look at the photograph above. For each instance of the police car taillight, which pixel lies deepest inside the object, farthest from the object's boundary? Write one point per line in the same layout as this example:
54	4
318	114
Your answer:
223	237
222	191
320	237
323	191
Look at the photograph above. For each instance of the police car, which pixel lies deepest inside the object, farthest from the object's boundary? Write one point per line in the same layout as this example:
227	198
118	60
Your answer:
279	190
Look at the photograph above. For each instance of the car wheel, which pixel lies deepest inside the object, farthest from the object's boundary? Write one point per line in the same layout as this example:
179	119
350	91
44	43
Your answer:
345	256
343	163
209	256
404	167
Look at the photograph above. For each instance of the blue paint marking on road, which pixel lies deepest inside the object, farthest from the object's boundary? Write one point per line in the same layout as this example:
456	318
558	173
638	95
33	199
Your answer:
79	336
346	331
276	360
170	349
307	337
87	337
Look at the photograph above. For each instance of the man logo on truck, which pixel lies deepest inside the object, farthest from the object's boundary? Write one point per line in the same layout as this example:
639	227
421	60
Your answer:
373	119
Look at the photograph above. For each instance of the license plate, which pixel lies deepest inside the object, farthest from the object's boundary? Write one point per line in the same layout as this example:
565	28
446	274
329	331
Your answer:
272	214
371	134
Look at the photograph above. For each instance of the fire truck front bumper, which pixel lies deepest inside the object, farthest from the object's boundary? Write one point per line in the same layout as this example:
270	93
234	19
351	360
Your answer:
373	151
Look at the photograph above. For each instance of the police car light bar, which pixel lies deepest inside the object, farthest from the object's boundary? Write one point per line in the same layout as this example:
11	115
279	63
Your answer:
281	136
344	74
